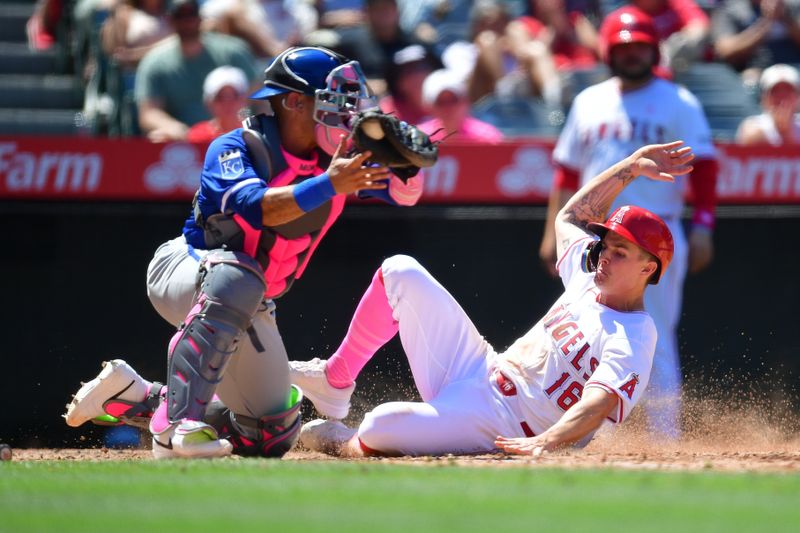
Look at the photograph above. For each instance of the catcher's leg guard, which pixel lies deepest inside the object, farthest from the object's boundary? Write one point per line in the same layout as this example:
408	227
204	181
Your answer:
231	291
268	436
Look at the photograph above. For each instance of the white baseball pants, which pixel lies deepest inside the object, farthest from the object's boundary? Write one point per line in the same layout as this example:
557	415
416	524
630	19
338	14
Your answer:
256	381
451	362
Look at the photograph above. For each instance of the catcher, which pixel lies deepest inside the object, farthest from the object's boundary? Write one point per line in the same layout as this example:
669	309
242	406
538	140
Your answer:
269	192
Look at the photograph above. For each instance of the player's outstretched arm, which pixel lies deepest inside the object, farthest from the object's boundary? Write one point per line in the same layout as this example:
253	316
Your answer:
345	175
582	419
660	162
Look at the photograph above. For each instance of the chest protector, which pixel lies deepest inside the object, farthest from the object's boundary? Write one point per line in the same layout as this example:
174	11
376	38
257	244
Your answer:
282	251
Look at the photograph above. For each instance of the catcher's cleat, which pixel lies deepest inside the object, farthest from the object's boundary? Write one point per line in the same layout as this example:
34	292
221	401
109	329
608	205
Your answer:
189	439
328	400
326	436
117	395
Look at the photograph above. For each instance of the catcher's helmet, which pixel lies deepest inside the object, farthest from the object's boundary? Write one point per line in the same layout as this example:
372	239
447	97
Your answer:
300	69
337	84
627	25
642	228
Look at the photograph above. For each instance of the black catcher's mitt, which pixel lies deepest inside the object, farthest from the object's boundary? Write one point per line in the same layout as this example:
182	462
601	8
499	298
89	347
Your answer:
393	143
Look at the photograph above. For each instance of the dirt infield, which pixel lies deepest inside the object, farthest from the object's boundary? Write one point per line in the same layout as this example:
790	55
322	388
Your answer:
748	434
786	460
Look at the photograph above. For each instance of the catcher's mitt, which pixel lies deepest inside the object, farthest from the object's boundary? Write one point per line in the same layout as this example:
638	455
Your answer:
393	143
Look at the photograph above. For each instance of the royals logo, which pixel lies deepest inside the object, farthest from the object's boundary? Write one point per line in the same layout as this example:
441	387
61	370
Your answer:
231	165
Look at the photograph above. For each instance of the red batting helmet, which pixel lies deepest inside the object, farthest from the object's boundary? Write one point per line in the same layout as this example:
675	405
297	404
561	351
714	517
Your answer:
642	228
627	24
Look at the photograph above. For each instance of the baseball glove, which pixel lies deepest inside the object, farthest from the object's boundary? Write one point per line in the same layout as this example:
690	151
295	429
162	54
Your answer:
393	143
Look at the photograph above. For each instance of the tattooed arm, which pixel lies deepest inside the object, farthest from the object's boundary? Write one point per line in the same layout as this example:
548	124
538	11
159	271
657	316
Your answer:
660	162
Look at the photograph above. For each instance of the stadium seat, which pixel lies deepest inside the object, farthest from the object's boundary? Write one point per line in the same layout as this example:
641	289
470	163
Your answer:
38	93
722	94
519	117
578	79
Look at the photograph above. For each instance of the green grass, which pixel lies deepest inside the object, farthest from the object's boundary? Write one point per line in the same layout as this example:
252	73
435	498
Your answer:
274	496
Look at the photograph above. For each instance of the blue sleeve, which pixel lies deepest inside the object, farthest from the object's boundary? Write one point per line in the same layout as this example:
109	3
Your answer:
229	183
379	194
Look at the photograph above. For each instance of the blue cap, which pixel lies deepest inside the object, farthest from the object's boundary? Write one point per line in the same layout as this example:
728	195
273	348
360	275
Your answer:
301	69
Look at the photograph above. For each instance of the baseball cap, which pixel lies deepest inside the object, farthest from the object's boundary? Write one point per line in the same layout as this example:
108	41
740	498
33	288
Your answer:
174	5
779	73
440	81
225	76
410	54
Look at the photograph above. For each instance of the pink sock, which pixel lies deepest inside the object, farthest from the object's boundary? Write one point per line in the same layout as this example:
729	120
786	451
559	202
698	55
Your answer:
371	327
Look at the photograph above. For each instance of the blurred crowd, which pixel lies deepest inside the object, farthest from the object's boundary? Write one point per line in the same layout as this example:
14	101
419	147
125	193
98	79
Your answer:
182	69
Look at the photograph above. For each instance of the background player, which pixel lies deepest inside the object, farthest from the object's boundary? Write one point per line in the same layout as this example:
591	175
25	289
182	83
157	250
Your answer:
612	119
264	203
586	361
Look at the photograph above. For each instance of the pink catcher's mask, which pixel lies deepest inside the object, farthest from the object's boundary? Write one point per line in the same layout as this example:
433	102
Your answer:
346	95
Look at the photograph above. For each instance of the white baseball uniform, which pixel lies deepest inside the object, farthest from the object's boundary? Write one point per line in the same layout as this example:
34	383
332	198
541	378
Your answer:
606	125
472	394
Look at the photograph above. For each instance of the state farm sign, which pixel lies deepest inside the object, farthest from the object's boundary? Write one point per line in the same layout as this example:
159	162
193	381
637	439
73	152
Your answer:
87	169
760	176
49	171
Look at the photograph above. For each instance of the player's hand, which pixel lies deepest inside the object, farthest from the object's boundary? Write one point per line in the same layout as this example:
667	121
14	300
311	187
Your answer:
701	248
174	131
522	446
783	116
662	162
547	256
772	9
349	175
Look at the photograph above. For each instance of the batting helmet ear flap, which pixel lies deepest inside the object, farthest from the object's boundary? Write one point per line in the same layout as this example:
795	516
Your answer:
591	255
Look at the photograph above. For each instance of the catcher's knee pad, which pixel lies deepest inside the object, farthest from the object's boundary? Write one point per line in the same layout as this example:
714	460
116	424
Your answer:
231	291
267	436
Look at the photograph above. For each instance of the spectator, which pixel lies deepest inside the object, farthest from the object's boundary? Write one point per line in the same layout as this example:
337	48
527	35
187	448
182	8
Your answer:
374	45
169	80
225	95
508	62
682	29
42	27
751	35
446	95
268	26
133	29
778	124
410	66
339	13
445	20
568	34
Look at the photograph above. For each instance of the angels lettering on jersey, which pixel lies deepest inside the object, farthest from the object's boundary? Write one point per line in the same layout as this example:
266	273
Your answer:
580	343
569	340
623	129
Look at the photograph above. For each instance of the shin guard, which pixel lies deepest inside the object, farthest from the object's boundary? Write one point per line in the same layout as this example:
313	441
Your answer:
267	436
231	290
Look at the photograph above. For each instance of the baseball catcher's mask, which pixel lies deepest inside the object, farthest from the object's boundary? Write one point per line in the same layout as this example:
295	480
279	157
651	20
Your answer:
346	94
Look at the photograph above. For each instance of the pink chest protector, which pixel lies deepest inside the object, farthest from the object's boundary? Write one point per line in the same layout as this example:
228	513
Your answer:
286	249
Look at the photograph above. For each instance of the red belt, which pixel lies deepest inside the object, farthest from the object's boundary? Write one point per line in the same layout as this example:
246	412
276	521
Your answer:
507	388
